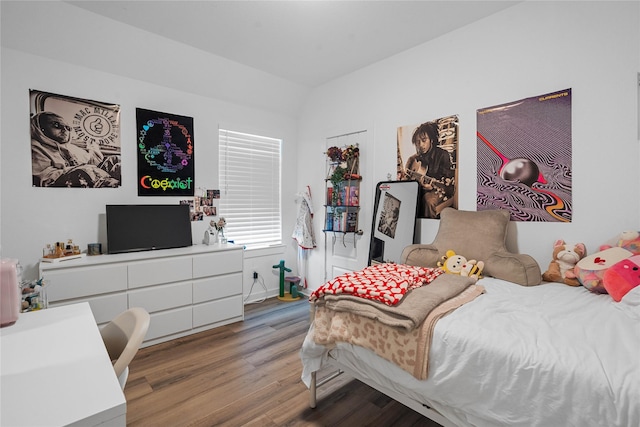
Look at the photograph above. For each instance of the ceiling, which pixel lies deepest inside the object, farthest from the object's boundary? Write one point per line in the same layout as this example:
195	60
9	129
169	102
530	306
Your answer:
305	42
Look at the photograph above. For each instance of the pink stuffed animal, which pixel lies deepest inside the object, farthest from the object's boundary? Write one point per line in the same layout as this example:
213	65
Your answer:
622	277
629	240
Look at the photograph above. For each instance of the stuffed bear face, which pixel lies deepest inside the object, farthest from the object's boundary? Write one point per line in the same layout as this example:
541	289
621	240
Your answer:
568	254
452	263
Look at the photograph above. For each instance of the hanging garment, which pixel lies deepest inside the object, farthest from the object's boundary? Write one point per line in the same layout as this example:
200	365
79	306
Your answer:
303	233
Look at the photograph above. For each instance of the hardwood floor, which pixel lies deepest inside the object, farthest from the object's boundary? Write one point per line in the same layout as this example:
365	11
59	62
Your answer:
248	374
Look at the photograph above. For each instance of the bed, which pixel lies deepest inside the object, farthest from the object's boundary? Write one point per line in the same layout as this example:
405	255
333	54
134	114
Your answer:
521	353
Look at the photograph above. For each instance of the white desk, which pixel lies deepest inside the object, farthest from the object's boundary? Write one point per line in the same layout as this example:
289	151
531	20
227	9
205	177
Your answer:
55	371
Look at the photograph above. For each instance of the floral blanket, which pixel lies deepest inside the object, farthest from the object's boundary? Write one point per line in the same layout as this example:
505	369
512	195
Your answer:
386	283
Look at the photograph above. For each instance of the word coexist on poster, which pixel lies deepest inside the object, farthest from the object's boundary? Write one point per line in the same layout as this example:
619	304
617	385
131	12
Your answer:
165	154
74	142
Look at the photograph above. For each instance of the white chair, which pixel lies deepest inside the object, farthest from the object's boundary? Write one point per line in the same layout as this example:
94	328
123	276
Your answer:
123	336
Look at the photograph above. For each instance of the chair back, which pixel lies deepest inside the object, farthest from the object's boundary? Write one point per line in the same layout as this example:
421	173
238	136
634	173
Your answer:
124	335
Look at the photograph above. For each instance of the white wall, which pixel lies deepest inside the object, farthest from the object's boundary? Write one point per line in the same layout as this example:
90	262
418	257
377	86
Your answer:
529	49
526	50
32	217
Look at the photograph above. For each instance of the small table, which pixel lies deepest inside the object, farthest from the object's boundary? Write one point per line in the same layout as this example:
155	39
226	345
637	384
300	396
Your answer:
55	371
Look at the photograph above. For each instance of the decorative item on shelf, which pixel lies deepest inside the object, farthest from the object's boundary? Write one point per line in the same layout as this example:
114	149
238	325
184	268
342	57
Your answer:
61	252
34	295
336	179
210	235
350	156
219	226
334	154
94	249
335	159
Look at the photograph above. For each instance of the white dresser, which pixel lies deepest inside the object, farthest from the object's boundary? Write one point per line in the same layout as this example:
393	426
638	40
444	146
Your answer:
186	290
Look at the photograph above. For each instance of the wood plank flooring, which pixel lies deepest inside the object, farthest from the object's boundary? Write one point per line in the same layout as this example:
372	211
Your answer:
248	374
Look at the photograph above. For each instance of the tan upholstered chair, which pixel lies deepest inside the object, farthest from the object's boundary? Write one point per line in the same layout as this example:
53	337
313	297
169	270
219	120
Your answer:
123	337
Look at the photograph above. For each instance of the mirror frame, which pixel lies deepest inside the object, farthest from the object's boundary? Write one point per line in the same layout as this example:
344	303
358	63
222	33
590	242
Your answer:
394	220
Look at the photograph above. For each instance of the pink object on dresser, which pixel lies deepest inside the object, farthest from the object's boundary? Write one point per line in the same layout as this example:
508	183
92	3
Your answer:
9	292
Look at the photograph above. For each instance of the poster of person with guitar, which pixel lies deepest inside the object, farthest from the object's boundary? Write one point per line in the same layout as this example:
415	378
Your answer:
427	153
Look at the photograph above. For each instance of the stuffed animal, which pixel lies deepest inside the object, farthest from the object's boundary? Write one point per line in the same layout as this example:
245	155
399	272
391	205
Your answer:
473	269
629	240
451	262
591	269
564	259
622	277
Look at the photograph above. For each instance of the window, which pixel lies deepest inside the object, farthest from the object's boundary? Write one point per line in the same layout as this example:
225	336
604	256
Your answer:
250	188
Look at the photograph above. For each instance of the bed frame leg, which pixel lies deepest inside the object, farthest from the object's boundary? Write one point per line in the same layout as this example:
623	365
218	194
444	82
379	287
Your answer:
312	391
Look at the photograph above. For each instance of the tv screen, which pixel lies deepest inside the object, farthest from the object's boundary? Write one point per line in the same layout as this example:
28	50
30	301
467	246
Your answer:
133	228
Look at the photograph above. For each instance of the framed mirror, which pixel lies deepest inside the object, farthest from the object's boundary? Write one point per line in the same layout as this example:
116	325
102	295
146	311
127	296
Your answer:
394	220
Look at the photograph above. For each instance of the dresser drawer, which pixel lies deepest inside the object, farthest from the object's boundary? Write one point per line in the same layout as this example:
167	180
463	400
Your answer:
217	263
155	272
217	287
169	322
104	308
80	282
217	311
162	297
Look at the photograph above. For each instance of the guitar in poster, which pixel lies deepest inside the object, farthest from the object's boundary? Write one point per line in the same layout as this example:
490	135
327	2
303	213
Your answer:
427	154
165	154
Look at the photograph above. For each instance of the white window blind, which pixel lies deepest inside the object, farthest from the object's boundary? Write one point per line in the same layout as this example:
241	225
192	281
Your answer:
250	188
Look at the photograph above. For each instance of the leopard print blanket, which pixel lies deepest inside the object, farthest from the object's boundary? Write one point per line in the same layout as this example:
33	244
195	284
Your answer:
407	349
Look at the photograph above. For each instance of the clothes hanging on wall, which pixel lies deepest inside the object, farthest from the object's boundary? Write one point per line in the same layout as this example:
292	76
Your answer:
303	232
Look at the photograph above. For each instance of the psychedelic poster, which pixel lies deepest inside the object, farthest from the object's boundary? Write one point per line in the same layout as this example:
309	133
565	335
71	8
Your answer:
165	154
524	158
427	153
74	142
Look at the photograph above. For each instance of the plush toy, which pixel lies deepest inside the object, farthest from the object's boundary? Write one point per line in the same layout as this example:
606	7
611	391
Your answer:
622	277
564	259
451	262
629	240
473	269
591	269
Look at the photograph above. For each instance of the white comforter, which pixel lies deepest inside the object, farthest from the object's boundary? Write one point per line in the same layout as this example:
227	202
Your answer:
548	355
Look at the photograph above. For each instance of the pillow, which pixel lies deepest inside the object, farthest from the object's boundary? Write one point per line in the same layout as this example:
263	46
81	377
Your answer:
591	269
479	235
622	277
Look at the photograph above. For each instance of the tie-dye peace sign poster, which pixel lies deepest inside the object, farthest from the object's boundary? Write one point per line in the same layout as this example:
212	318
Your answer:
165	154
524	158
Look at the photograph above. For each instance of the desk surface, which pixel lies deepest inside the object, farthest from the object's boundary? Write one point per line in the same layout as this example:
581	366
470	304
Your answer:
55	371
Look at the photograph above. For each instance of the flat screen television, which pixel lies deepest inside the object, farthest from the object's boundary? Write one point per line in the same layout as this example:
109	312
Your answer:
134	228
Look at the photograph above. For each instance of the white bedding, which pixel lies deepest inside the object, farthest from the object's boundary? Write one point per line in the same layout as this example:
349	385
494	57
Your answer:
548	355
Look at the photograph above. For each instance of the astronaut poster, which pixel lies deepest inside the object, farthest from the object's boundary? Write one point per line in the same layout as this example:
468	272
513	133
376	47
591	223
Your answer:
165	154
524	158
74	142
